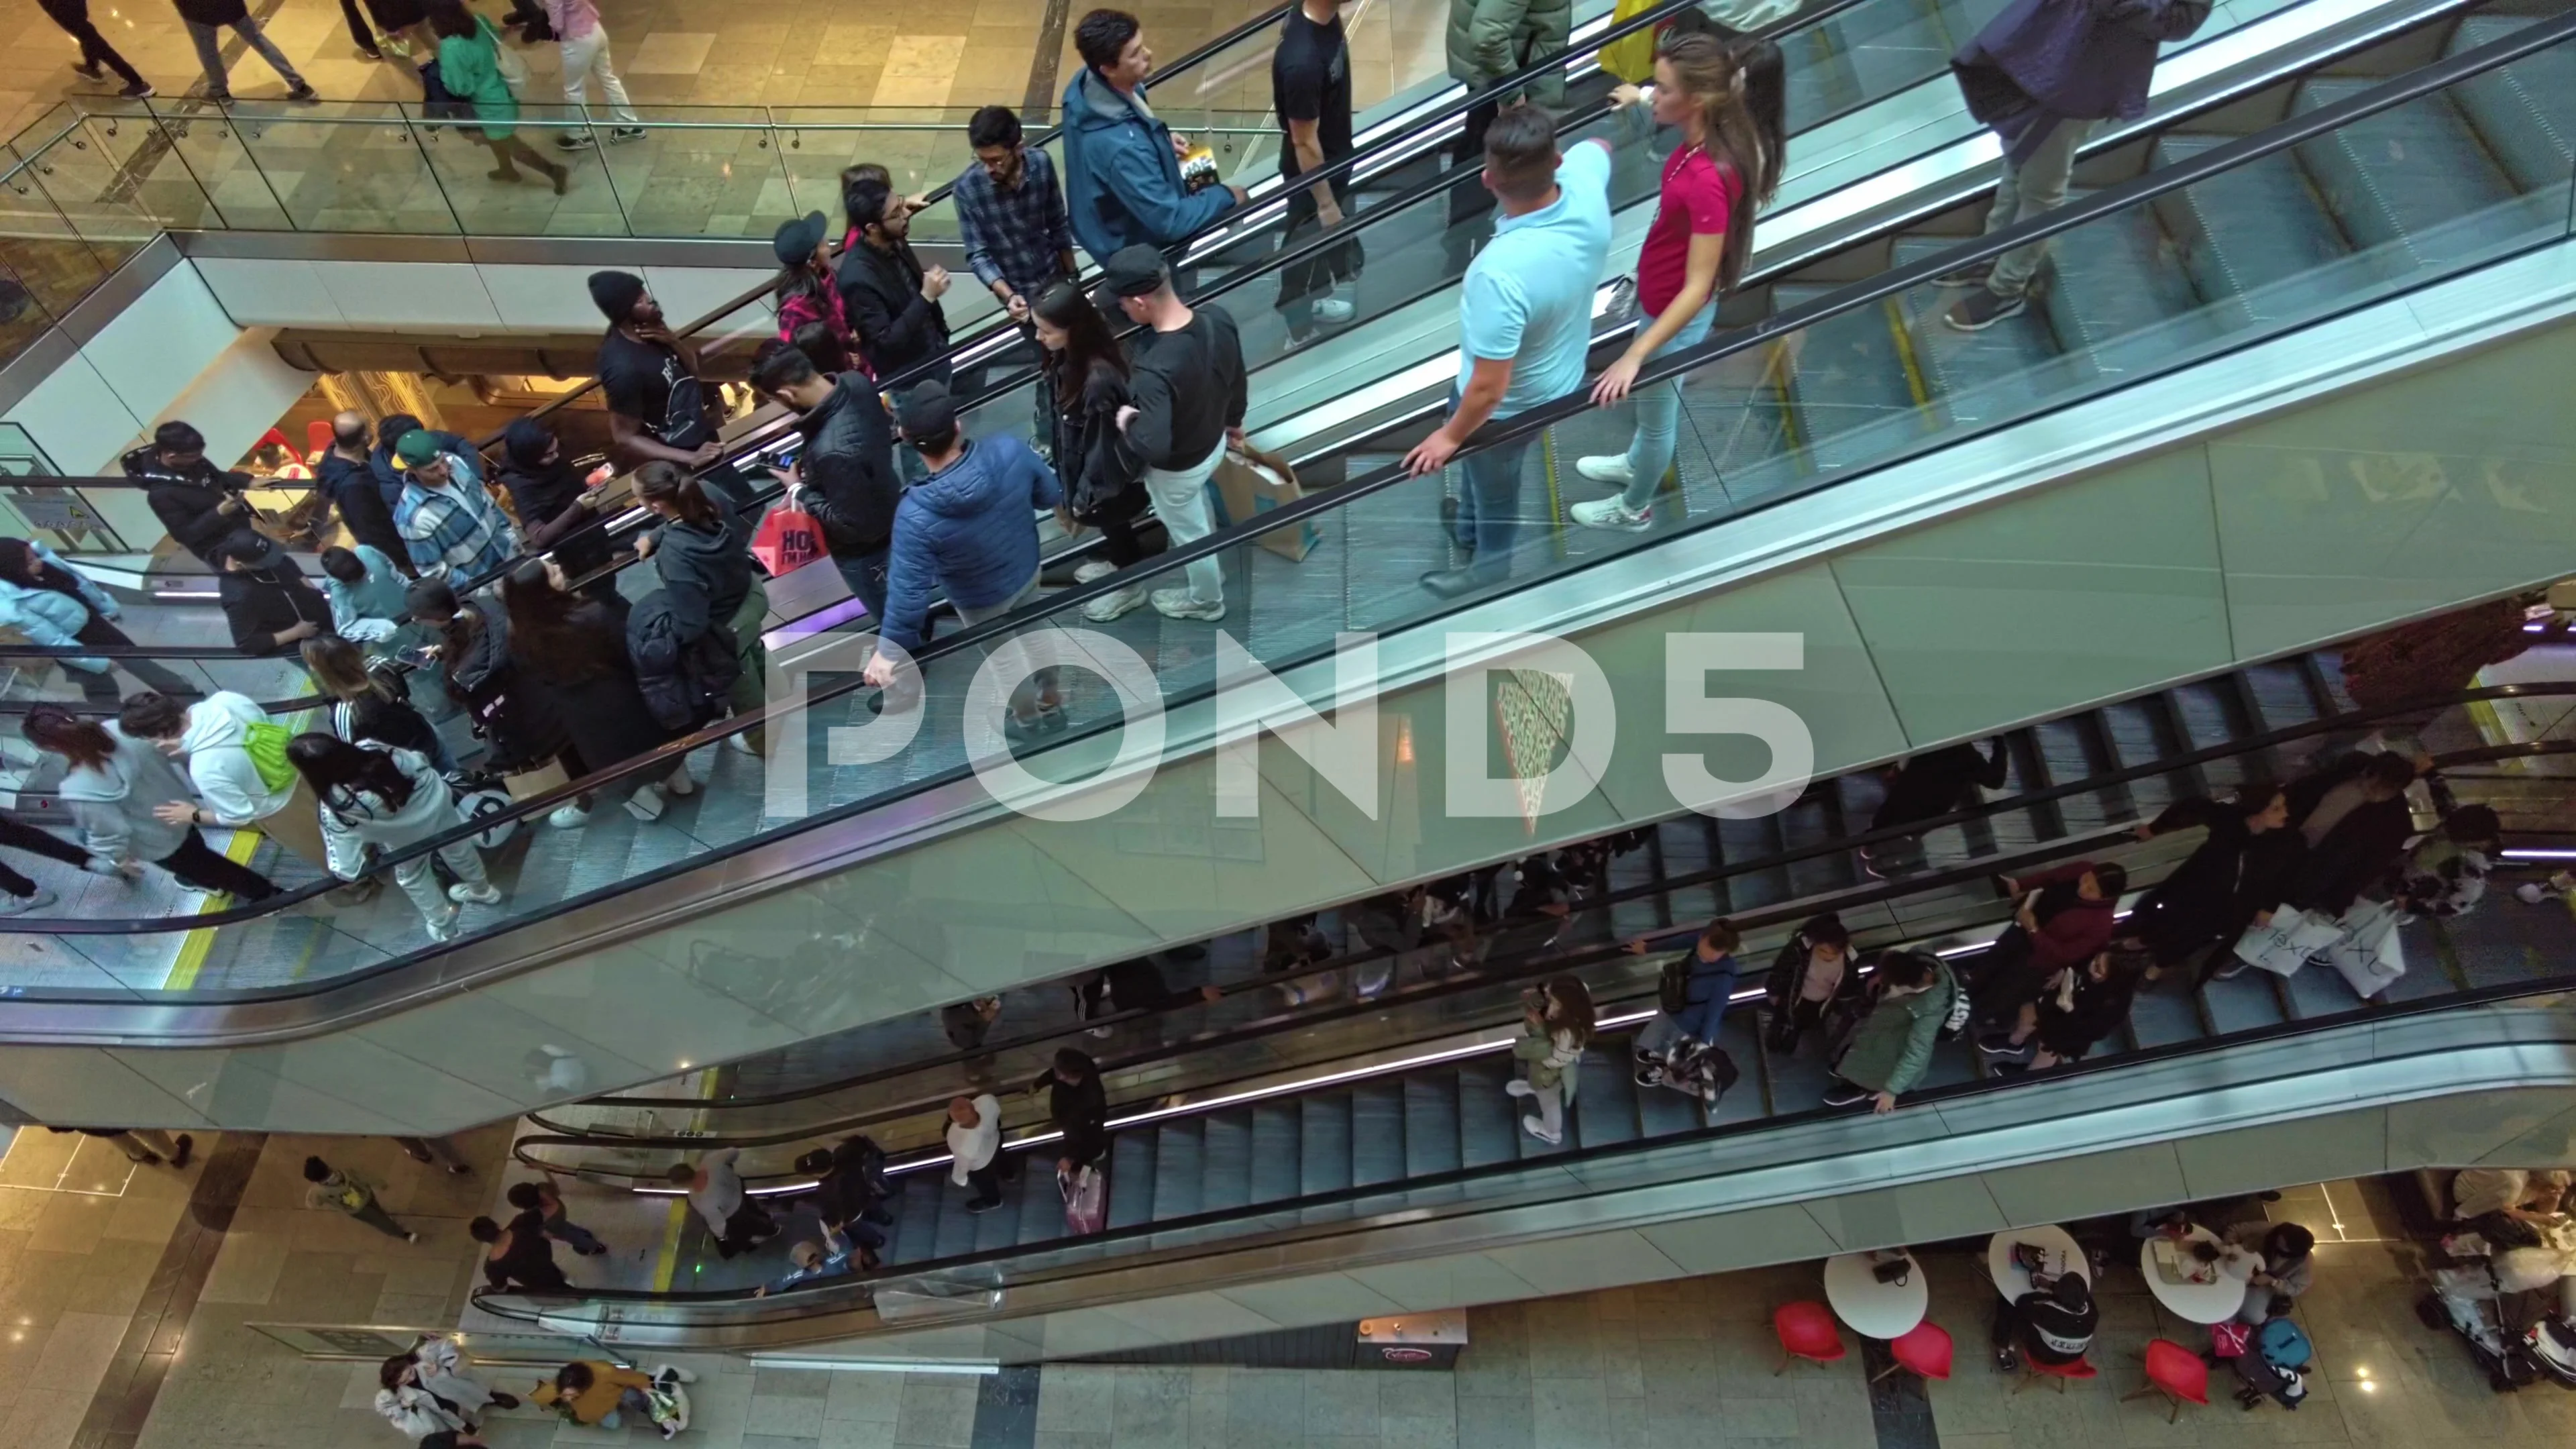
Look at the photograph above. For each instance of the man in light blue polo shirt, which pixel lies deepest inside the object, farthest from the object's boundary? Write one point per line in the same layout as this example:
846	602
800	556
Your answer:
1525	324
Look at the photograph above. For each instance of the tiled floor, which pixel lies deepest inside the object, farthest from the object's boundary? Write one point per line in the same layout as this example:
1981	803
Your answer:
102	1316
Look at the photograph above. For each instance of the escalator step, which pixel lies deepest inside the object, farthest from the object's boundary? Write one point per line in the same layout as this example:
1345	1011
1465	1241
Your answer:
1036	1207
1177	1155
1487	1124
2119	294
2413	180
1228	1168
1324	1143
2163	1014
1605	1101
958	1228
2242	1002
2525	112
2281	693
1377	1132
916	1225
1850	397
2318	989
1431	1123
1274	1151
1741	1034
1977	376
2256	237
1131	1179
1953	1062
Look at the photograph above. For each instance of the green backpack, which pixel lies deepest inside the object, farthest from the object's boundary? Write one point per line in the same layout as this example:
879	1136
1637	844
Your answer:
265	743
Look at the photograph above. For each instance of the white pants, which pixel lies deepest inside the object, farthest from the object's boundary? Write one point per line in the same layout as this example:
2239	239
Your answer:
1180	501
587	57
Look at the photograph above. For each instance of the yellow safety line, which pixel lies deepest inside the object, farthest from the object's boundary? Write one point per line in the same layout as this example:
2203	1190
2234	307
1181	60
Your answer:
2490	727
1905	353
668	1266
193	947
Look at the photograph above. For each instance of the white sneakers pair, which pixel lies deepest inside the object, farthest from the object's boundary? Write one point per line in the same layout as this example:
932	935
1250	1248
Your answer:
1612	512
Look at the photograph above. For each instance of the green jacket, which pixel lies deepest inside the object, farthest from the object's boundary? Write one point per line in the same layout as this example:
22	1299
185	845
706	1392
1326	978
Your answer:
1490	39
470	68
1550	1059
1892	1047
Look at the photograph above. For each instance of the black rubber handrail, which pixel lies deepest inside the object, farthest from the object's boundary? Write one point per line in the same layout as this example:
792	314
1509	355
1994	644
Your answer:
2387	95
838	1288
1776	860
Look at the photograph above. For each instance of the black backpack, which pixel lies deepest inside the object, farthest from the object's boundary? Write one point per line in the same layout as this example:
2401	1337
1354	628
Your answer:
1672	991
684	684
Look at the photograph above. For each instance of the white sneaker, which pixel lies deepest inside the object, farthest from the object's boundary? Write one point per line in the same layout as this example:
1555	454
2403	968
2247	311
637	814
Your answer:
740	744
1099	568
20	905
486	894
1538	1129
1110	606
568	817
1611	513
1516	1087
645	803
442	927
681	783
1605	468
1333	311
1177	604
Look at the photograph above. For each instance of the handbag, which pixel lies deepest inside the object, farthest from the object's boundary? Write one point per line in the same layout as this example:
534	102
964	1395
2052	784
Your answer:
513	70
1248	483
2367	951
789	538
1086	1200
2285	945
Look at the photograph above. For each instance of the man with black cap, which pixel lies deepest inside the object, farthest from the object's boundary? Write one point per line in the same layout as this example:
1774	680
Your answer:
346	475
1189	391
845	476
554	507
265	599
448	521
658	410
968	531
893	300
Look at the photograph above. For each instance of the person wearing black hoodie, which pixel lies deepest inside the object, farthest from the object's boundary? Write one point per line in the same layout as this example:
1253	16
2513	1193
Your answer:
555	510
1929	785
2240	871
520	724
264	596
2355	819
702	552
845	477
1078	1105
199	503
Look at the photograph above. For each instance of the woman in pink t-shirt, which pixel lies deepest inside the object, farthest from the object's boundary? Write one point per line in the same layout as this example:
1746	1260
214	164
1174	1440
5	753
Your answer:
1727	164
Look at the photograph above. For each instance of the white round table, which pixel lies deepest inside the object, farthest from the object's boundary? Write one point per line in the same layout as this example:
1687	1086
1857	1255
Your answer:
1873	1309
2010	1280
2211	1302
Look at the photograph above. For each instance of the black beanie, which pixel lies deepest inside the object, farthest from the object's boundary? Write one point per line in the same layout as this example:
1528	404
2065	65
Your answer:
616	293
526	441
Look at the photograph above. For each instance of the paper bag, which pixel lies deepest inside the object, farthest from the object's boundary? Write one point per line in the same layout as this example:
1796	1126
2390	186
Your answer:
1248	484
528	784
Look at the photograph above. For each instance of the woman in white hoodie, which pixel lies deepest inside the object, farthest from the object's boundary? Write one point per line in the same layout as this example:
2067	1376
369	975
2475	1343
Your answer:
375	795
224	738
113	782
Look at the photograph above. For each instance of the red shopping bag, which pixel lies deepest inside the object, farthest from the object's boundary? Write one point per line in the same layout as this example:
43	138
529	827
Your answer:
788	540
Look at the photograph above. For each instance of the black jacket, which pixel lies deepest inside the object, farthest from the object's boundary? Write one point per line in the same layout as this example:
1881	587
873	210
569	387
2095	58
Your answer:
1092	457
1081	1112
2214	894
881	290
1938	783
705	571
2358	851
550	519
386	720
186	502
528	1261
362	506
520	724
848	468
262	603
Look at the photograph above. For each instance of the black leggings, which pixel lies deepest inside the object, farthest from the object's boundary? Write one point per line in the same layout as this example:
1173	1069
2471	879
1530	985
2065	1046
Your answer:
19	835
201	865
101	688
1116	519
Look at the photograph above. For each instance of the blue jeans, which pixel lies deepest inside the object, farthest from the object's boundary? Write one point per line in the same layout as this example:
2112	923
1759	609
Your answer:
1658	410
1489	503
866	575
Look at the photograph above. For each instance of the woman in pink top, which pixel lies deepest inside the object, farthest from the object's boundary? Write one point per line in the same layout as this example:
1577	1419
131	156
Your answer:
1723	98
585	54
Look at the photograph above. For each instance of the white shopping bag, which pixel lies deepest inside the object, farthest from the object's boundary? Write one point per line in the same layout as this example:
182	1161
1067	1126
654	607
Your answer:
2285	945
2367	950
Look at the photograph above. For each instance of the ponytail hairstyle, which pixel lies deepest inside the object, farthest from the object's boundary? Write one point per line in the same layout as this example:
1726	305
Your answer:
1717	81
669	485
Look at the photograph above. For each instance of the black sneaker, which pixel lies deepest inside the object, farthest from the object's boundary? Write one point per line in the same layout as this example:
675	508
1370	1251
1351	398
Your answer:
187	1146
87	70
304	92
1982	309
1644	1056
139	91
1998	1044
1844	1094
1972	275
983	1207
1651	1076
575	141
2008	1359
626	133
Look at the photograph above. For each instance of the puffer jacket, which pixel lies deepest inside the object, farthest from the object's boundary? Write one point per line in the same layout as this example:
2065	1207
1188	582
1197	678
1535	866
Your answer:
113	801
1122	184
1892	1047
1490	39
967	531
49	617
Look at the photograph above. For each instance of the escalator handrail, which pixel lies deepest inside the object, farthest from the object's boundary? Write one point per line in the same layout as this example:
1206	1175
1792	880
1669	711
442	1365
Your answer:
2425	81
2089	1065
1776	860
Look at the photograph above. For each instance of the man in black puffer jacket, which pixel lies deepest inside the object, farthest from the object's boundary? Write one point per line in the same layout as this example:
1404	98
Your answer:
845	476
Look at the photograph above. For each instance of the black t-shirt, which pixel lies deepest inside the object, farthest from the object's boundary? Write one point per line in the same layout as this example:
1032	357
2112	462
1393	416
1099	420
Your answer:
650	384
1310	80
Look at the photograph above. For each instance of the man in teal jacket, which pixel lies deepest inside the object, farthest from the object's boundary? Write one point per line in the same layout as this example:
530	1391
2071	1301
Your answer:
1122	167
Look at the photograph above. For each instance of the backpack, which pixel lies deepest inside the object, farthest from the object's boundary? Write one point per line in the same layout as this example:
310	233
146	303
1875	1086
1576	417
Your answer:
684	684
477	804
265	743
1672	990
1956	1023
2283	1345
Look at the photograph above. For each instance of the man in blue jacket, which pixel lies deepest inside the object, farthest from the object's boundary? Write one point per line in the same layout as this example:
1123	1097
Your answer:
968	531
1707	974
1122	165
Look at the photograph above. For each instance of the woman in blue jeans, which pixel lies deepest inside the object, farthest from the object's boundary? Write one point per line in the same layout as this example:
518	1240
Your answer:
1724	100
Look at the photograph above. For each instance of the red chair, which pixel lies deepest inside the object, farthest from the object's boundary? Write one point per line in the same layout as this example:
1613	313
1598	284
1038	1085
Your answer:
2032	1371
2177	1373
1806	1331
317	439
1925	1348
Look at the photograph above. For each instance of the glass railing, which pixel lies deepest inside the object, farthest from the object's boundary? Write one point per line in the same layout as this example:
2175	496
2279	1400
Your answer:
1376	533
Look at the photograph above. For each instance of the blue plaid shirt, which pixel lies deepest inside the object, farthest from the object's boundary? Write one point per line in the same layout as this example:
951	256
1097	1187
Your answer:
1017	236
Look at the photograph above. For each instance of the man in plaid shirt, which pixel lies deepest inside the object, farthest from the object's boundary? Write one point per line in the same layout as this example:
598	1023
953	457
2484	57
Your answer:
451	525
1018	238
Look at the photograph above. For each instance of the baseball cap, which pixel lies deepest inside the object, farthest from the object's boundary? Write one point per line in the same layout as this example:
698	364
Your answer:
796	240
1133	271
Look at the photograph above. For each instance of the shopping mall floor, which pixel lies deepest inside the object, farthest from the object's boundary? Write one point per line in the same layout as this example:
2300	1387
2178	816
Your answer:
126	1295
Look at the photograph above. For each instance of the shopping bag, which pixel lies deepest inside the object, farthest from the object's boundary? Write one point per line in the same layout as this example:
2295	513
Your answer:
529	784
1086	1199
2284	945
788	540
2367	951
1248	484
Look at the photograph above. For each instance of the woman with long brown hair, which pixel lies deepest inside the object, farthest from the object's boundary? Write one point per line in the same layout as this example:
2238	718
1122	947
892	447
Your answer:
1555	1029
1694	251
112	782
369	701
575	646
1104	481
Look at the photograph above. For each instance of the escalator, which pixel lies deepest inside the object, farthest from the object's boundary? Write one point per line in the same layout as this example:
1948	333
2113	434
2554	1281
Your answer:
1246	1186
906	895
